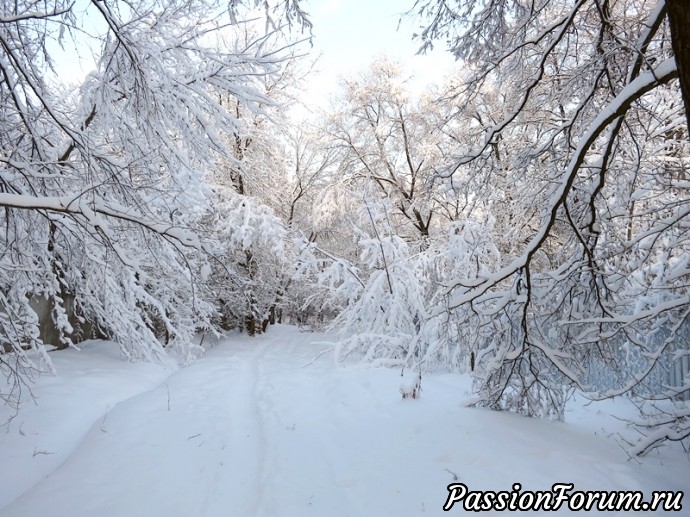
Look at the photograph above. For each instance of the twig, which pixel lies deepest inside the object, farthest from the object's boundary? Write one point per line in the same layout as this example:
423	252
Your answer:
318	356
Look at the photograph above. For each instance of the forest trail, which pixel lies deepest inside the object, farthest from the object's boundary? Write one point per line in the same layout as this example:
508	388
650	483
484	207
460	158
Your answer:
269	426
228	435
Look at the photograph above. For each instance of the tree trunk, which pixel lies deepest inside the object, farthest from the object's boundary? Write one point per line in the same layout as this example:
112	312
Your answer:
679	21
250	324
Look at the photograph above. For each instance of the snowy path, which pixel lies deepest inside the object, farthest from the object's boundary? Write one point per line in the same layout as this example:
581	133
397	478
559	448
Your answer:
260	428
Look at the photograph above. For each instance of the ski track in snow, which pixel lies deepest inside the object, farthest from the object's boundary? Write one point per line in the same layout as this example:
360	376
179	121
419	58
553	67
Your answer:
260	428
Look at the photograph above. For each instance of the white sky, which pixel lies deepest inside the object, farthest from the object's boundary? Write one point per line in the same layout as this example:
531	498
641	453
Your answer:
350	34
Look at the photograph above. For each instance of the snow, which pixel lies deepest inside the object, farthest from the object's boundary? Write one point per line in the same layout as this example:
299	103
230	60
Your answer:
42	436
270	426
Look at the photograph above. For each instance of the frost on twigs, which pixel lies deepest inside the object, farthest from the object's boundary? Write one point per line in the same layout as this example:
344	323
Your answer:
661	423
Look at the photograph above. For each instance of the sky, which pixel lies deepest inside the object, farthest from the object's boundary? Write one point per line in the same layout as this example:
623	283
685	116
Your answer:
350	34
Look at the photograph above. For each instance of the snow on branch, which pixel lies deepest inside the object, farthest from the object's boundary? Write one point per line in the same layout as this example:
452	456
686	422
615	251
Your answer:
663	73
91	209
37	15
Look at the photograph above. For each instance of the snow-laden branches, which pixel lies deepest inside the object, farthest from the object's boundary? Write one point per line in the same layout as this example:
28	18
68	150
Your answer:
276	12
585	144
104	190
93	210
615	109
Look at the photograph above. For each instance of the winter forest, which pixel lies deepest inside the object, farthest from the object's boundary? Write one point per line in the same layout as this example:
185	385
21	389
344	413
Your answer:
525	222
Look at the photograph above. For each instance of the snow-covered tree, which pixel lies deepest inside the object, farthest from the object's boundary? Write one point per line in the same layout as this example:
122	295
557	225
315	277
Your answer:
100	186
602	276
249	194
389	145
386	275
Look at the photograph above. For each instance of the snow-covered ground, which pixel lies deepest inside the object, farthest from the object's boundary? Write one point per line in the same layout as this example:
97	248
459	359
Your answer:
270	427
